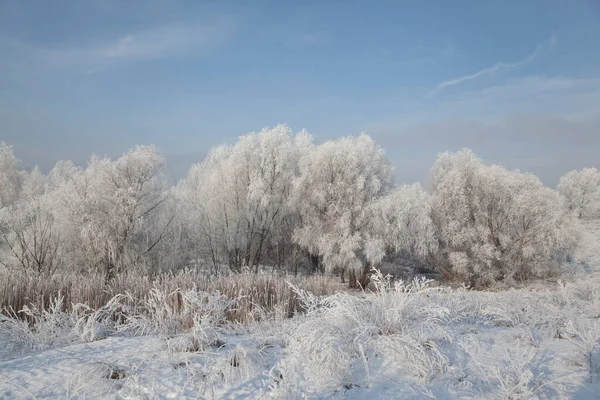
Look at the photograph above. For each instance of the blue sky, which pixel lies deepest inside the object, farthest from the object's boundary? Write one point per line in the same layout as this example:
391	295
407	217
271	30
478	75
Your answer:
517	81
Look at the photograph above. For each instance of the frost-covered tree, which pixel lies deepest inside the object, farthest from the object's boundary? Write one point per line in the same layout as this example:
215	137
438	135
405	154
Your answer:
28	230
236	200
62	172
337	184
581	192
498	224
10	177
27	227
34	183
129	196
402	223
113	213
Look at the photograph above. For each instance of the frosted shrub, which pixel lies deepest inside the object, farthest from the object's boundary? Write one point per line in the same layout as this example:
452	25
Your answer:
396	304
587	298
516	379
339	333
581	192
586	337
321	348
39	330
212	308
326	348
187	320
498	225
156	315
523	311
98	324
206	312
50	327
518	375
410	324
15	336
418	353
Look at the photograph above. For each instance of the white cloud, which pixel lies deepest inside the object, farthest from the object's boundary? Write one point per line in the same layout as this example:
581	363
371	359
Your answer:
534	94
546	125
159	42
501	67
567	97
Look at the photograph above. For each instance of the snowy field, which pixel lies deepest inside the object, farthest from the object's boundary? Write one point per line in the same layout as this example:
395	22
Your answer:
408	340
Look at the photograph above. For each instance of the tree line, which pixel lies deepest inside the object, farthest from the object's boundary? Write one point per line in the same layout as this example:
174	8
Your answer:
276	200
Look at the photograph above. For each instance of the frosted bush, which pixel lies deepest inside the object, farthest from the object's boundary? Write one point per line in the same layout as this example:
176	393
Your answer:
98	324
498	225
192	328
586	337
156	315
31	329
50	327
334	340
419	354
518	375
581	192
523	312
15	336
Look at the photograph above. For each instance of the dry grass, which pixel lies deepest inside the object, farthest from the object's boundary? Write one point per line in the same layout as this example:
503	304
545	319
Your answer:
268	292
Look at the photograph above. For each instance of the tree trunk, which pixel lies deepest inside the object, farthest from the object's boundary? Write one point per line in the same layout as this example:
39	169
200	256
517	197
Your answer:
352	283
314	262
342	270
365	277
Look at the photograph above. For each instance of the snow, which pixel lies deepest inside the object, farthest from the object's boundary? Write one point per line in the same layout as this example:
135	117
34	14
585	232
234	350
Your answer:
413	340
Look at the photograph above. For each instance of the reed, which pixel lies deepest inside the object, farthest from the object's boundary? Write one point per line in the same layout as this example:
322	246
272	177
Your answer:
251	290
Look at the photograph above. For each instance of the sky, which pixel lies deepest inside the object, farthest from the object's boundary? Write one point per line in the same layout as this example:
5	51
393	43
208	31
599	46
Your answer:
516	81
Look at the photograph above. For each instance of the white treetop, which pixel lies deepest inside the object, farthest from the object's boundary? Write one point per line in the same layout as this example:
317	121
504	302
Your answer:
581	192
338	181
497	224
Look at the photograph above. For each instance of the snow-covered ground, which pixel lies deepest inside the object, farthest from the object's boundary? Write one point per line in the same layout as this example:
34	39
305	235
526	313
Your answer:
410	340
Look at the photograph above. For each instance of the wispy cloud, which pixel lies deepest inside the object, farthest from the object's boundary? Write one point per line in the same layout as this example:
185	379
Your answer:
536	94
502	66
164	41
566	98
545	125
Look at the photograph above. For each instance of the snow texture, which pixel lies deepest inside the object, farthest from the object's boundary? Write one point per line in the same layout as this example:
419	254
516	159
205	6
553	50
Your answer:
404	340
